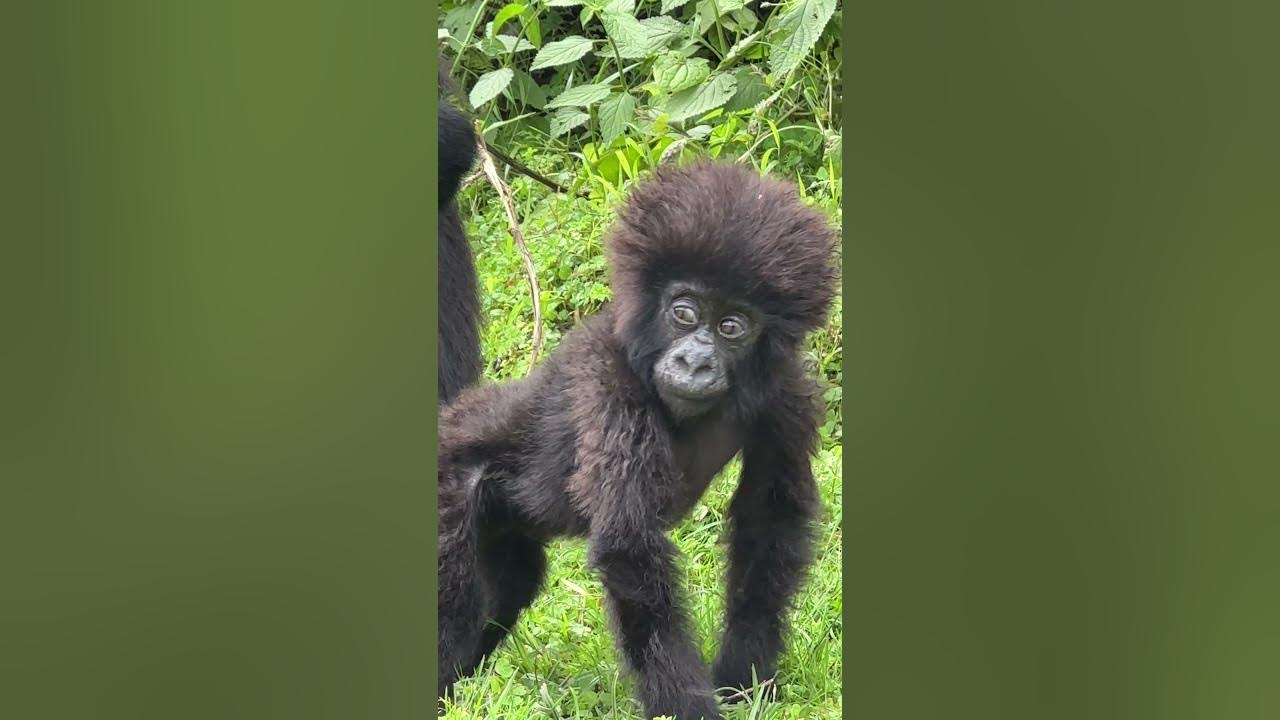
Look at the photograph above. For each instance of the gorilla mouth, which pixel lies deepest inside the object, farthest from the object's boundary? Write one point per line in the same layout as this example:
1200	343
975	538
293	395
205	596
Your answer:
673	387
693	394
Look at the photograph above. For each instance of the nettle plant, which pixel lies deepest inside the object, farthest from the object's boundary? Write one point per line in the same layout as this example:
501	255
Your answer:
622	81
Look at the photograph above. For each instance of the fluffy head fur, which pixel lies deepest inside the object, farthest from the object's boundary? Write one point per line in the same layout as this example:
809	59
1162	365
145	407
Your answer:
727	225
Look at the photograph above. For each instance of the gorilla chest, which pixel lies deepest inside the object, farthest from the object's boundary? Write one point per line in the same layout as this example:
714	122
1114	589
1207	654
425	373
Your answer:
700	451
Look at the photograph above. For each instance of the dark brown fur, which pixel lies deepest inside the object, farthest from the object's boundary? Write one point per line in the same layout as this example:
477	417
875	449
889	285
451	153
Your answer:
458	310
584	445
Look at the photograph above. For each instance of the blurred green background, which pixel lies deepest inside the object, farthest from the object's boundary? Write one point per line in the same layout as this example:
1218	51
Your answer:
218	356
1061	435
1060	417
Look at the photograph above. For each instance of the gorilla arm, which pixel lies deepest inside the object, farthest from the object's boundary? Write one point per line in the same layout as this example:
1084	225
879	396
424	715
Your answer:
770	537
629	471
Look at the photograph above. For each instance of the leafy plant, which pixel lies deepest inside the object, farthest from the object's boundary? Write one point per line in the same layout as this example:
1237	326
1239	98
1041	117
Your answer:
615	84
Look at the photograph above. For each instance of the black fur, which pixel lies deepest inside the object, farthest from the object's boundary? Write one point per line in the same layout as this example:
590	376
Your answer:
459	302
585	446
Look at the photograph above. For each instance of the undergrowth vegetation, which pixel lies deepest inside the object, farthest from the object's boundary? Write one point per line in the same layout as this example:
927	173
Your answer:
590	95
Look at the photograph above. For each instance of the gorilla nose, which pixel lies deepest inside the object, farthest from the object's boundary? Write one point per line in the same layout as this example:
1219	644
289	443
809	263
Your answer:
696	365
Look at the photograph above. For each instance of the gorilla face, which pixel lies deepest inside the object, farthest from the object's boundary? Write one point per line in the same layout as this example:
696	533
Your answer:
706	333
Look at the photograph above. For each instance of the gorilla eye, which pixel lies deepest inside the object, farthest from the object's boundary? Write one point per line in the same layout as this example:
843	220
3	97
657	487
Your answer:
732	328
685	313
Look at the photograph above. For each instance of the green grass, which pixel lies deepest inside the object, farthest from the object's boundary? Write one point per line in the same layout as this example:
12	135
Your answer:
560	660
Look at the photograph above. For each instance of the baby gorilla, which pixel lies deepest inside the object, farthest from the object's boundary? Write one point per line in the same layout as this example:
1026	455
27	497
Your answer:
717	276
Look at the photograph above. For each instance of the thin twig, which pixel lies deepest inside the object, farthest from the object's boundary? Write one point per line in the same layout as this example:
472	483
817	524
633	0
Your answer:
513	224
531	173
746	693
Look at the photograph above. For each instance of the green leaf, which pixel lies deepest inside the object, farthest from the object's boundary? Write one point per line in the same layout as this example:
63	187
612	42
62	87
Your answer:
709	11
458	20
504	668
750	92
738	48
720	8
624	7
615	112
561	52
489	130
581	96
563	3
567	119
503	45
741	21
702	99
525	89
663	25
640	38
533	27
673	73
489	85
510	11
514	44
669	5
797	31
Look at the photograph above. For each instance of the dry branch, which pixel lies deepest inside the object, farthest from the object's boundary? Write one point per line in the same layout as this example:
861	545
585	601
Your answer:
513	224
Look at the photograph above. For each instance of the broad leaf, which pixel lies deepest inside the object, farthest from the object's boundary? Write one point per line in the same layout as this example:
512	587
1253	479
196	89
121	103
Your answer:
561	52
702	99
503	45
510	11
750	92
563	3
489	130
640	38
533	27
581	96
566	120
669	5
798	30
614	114
663	25
512	43
525	89
673	73
738	48
489	85
708	11
741	21
458	20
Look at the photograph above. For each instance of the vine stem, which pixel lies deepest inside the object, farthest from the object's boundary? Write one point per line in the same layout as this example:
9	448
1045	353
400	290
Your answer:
618	57
513	224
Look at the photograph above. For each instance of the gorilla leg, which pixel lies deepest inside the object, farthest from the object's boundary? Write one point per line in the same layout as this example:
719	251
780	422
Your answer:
485	580
461	590
514	566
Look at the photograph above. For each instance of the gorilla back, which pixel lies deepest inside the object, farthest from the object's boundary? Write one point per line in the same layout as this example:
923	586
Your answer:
459	303
717	276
